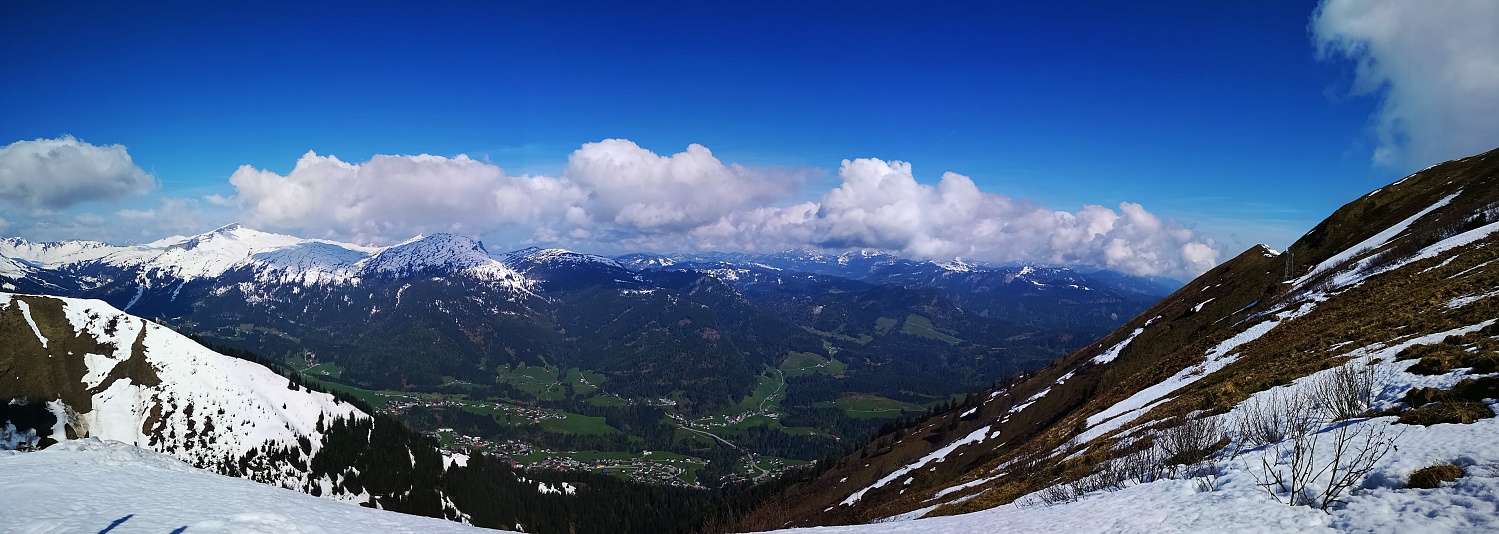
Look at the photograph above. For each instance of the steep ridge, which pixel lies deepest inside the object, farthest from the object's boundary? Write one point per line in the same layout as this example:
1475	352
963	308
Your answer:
1394	289
16	275
105	374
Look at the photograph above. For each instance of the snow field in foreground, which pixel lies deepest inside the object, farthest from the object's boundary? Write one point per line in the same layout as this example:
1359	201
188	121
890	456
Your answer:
87	485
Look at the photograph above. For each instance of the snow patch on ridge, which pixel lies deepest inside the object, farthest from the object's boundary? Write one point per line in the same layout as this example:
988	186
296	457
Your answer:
1113	352
1218	357
1373	242
935	456
26	312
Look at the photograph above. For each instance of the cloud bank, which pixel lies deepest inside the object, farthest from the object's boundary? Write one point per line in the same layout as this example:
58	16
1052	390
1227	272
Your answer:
615	196
1434	64
880	205
52	174
390	198
612	196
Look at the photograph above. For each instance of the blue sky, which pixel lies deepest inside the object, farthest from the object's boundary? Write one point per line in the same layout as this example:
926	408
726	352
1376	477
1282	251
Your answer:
1221	116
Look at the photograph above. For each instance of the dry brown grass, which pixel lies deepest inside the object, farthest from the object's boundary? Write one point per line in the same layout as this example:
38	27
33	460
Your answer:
1460	412
1431	477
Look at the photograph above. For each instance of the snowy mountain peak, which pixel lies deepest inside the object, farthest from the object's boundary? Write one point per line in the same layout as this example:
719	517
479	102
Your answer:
958	264
204	255
441	254
535	256
252	239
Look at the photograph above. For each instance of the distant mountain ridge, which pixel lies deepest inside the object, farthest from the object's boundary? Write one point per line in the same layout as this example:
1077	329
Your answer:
444	314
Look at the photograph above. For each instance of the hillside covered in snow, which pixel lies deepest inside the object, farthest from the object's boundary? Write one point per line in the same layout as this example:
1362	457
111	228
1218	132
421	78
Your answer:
1349	383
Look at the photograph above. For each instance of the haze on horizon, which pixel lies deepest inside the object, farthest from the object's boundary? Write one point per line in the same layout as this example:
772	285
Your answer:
1153	140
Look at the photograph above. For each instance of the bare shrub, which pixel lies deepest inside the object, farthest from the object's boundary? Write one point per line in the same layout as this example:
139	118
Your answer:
1289	425
1353	457
1290	470
1191	442
1273	417
1346	391
1206	474
1141	466
1111	475
1185	450
1058	494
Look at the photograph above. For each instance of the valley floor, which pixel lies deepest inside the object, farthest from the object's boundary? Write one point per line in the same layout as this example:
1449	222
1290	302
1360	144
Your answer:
96	486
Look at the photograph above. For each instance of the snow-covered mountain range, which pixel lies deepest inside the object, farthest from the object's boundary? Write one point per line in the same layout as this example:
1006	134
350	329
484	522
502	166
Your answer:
268	257
356	304
275	258
1349	383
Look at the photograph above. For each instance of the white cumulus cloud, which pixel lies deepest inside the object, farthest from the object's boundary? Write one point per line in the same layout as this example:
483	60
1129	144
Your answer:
395	197
880	205
614	196
52	174
634	188
1433	63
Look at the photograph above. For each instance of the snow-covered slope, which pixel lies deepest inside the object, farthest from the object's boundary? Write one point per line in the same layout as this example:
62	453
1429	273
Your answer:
109	375
95	486
1368	350
562	269
441	254
56	254
1232	498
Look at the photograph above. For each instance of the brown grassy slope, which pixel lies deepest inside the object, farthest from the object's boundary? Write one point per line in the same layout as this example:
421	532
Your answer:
28	370
1024	457
56	372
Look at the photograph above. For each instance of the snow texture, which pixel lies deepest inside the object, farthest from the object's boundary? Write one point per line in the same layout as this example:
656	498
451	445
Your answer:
26	312
1380	504
249	405
274	258
1113	352
1373	242
91	485
935	456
